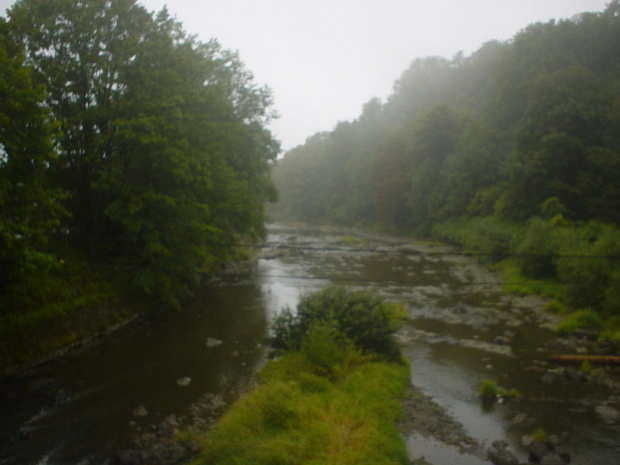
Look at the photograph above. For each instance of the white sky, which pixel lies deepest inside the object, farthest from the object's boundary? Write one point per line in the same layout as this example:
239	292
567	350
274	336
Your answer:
323	59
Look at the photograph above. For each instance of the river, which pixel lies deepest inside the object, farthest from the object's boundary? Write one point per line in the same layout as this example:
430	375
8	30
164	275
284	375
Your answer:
462	330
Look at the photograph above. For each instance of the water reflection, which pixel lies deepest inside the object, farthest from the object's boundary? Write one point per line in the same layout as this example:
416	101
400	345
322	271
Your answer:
83	412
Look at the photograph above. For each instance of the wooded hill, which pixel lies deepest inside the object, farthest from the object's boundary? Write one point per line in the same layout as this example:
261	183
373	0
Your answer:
514	150
129	153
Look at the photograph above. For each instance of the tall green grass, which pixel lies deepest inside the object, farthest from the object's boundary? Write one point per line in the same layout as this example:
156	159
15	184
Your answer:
324	402
302	415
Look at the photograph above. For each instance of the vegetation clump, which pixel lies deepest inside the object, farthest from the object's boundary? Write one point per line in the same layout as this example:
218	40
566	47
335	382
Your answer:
362	317
490	390
581	319
324	400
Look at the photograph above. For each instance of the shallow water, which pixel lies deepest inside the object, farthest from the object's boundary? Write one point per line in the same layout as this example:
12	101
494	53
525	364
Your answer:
78	410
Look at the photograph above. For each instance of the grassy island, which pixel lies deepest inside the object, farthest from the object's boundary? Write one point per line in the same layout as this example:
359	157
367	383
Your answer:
330	397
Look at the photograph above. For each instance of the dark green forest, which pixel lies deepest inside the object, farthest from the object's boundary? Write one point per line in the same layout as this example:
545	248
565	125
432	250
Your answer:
512	152
129	153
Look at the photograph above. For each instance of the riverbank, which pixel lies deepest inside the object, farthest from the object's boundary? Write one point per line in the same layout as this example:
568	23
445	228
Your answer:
31	340
57	335
573	264
320	401
177	439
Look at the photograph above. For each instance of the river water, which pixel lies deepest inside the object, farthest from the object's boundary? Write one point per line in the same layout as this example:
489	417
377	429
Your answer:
461	331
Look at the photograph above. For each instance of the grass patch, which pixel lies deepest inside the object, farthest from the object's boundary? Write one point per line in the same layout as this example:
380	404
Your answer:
585	319
301	414
515	282
350	240
489	390
330	398
556	307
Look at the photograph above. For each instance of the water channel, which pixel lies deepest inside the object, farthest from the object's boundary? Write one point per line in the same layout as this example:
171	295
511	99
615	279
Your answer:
461	330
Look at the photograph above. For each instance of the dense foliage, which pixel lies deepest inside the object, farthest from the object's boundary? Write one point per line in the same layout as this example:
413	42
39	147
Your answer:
362	317
127	148
512	150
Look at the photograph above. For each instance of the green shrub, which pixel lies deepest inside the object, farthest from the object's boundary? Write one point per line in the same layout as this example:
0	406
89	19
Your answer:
362	317
591	253
611	300
615	337
536	253
488	236
488	389
587	319
556	307
514	282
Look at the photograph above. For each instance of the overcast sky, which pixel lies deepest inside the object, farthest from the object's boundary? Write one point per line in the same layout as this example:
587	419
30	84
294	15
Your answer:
323	59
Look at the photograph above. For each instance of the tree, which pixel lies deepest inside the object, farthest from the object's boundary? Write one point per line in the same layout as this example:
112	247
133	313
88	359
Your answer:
82	51
566	123
29	205
471	171
165	153
435	136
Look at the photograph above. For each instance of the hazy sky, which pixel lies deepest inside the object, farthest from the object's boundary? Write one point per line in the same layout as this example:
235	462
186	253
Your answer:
323	59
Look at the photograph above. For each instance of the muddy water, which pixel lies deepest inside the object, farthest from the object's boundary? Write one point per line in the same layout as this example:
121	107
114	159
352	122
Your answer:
78	411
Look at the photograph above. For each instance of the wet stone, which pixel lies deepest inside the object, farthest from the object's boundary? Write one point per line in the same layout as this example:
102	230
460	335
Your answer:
140	412
213	342
538	451
500	455
609	415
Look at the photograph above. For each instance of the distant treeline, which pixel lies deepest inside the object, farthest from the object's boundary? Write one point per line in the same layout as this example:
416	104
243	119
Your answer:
127	148
486	147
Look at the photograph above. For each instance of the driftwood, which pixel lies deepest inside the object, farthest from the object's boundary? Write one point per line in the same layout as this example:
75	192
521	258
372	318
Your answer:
605	359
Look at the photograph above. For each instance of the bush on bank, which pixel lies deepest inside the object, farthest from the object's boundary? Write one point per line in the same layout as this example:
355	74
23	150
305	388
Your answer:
323	402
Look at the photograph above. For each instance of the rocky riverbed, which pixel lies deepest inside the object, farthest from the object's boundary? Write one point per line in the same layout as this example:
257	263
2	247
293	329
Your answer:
461	330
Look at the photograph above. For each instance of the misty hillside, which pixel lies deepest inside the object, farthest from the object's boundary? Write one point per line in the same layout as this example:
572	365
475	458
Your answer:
512	151
496	133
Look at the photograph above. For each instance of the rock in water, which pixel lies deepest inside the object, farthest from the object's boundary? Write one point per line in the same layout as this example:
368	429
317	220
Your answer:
500	455
212	342
184	381
609	415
